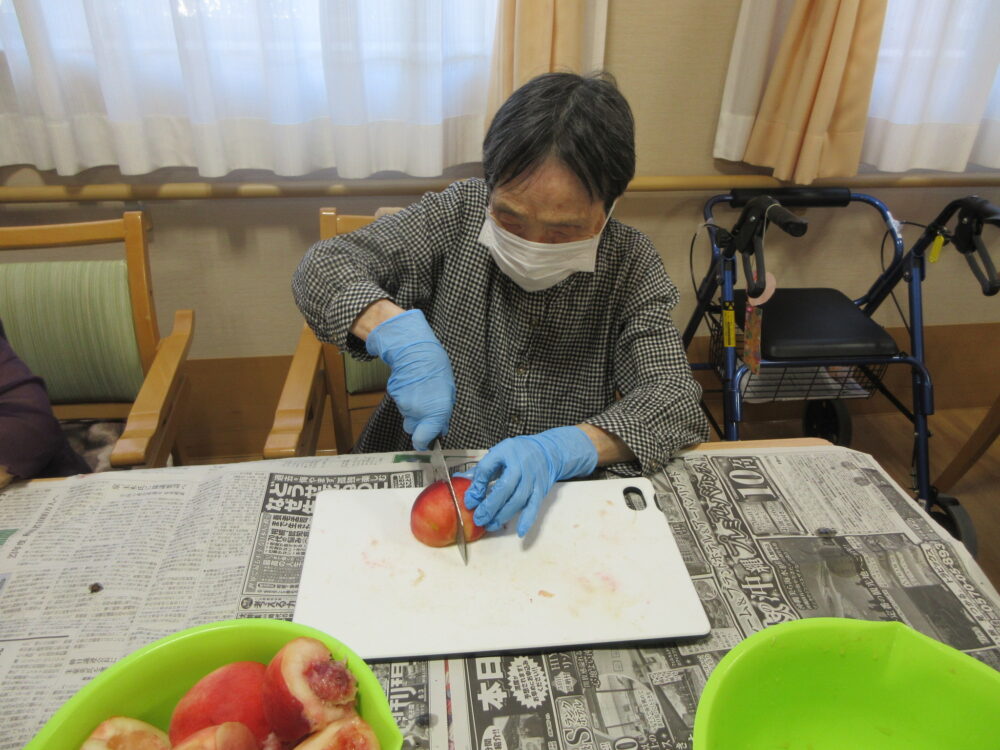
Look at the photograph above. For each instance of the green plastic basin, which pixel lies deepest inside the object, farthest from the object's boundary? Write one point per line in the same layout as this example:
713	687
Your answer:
147	683
825	683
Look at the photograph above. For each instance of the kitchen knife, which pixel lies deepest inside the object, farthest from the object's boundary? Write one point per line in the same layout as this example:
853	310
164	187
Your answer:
440	468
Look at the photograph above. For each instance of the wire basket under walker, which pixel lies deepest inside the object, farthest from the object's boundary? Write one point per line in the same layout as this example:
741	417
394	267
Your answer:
800	382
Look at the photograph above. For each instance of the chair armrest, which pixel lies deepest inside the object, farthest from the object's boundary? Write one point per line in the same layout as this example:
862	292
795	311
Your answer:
299	413
152	423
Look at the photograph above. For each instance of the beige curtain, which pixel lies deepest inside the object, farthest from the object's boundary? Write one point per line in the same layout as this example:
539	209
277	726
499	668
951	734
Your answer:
539	36
812	118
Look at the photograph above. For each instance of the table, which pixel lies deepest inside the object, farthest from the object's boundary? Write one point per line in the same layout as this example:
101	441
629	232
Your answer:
769	532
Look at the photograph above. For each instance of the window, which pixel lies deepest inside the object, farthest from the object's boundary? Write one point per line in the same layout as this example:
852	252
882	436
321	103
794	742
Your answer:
290	86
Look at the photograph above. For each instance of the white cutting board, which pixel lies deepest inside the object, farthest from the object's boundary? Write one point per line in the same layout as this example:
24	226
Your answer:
591	571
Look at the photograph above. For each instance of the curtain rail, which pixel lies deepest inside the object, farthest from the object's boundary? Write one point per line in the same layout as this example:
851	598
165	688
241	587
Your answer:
216	191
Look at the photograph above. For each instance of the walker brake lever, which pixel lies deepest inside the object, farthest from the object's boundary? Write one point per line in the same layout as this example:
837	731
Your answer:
755	276
968	240
748	237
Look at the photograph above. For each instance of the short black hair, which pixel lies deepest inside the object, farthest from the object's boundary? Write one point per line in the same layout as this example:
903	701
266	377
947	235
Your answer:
584	121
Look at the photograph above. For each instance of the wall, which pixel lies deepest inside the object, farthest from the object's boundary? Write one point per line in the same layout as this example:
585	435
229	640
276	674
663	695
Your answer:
231	260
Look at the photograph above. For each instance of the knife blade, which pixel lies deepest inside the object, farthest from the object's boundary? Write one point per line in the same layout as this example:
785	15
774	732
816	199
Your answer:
440	468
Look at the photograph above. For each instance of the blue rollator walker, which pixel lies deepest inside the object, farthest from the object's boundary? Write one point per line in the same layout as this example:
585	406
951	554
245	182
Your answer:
818	345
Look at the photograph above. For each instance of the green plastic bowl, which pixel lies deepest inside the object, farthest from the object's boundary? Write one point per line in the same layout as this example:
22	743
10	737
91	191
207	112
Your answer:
147	683
832	682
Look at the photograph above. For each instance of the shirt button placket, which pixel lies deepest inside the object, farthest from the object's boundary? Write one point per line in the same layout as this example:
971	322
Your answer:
519	419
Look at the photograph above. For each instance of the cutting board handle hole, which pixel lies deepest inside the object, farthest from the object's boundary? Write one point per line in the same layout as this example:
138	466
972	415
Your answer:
634	499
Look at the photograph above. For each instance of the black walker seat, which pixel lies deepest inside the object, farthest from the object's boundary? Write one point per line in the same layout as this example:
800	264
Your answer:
811	323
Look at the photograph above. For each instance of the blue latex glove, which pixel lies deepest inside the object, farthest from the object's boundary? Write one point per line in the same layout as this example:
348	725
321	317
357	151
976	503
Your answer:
528	466
420	382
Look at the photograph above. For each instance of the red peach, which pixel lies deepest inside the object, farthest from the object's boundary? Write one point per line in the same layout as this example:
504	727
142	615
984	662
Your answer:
230	693
124	733
305	689
229	735
352	733
432	517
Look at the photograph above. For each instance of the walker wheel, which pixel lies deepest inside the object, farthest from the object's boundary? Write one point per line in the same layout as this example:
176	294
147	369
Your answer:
828	419
956	520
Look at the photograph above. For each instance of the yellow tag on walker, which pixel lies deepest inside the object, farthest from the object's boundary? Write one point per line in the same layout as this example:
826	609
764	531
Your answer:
728	325
936	246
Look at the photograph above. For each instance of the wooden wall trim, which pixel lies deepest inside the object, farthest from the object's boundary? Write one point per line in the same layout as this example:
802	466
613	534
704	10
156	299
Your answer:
245	190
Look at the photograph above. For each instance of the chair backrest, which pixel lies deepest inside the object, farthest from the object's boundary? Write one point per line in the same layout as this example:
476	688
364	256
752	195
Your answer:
320	370
359	377
87	327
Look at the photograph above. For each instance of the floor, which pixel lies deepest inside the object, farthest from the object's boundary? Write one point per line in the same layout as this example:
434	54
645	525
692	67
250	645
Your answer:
887	437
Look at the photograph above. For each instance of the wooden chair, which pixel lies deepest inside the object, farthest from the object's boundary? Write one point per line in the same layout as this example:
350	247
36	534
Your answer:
321	370
88	328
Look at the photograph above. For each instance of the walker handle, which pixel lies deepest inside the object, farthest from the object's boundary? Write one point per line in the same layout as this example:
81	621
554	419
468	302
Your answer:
973	212
799	197
748	232
786	220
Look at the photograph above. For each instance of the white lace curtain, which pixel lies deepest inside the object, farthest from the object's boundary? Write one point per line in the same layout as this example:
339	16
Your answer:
935	101
936	95
290	86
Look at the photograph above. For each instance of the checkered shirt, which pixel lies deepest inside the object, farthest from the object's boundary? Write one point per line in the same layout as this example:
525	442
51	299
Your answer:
523	361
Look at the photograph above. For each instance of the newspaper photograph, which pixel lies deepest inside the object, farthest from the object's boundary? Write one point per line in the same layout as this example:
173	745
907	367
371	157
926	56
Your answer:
417	693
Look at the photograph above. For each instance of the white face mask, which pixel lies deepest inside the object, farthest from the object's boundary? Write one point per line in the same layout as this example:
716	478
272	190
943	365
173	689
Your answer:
534	266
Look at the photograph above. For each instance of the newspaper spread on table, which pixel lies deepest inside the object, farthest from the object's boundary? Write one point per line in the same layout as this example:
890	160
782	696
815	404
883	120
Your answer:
92	568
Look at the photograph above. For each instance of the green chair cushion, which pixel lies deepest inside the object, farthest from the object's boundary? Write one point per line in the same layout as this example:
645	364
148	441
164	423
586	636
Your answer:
71	323
365	376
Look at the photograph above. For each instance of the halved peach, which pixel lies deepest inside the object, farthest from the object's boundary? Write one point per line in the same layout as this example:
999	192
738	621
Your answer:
230	735
233	692
126	733
352	733
305	689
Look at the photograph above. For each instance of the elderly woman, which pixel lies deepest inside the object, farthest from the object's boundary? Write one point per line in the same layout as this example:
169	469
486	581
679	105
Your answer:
514	313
